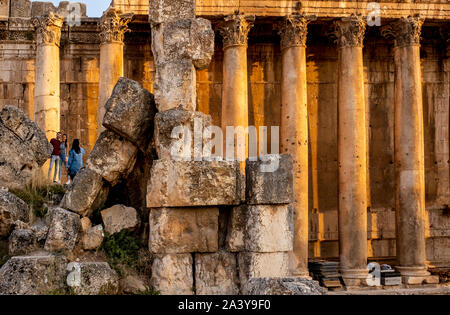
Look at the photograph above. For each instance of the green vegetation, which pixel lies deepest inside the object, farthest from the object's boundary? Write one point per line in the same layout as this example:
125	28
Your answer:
38	197
122	249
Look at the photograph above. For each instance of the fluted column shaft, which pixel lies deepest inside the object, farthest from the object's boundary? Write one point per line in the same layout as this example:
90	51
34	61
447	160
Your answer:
294	130
113	27
235	84
352	150
47	103
409	148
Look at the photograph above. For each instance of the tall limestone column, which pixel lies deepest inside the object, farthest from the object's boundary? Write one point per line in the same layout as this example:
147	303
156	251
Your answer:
294	129
235	85
47	104
352	151
113	27
409	148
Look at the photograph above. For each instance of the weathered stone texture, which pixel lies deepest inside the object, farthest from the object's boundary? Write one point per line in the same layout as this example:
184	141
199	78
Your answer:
113	157
173	275
235	240
130	112
118	218
86	192
21	242
161	11
263	265
93	238
95	278
64	229
186	184
34	275
167	121
282	286
216	274
184	230
24	148
12	209
133	285
270	180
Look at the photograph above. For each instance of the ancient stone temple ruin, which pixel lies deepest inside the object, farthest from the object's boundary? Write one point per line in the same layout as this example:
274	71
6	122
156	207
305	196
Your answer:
360	92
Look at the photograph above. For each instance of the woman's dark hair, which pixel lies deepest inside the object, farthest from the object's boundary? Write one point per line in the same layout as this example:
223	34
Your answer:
76	146
64	135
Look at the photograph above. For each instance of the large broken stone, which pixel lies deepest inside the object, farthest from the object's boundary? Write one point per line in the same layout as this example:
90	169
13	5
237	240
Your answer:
184	39
33	275
132	285
92	278
175	85
216	274
63	232
269	229
261	229
86	193
282	286
93	238
113	157
118	218
24	148
130	112
263	265
190	184
12	209
162	11
187	230
172	274
270	180
21	242
174	126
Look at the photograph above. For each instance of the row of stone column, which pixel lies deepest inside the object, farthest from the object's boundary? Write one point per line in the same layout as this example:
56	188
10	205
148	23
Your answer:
47	89
352	146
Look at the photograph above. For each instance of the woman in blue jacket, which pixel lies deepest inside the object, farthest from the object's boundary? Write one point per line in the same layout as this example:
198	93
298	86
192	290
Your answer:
75	162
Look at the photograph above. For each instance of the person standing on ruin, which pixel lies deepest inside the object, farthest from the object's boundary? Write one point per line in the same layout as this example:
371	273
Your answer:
55	158
75	162
63	155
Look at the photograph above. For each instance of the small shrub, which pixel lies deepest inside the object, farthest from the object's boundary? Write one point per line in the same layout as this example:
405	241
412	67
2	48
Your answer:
121	248
34	199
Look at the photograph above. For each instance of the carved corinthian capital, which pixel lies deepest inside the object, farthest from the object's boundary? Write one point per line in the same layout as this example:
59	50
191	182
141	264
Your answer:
405	31
113	26
293	30
350	31
235	30
48	29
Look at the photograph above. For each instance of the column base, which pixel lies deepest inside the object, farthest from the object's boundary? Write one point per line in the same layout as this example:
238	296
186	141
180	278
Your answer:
355	277
417	275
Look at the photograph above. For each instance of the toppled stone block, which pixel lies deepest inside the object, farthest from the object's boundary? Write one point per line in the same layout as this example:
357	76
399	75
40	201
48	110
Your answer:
93	238
190	184
92	278
63	232
21	242
263	265
216	274
282	286
113	157
172	274
162	11
184	39
132	285
175	86
260	229
86	193
270	180
269	229
118	218
86	224
25	148
130	112
40	230
186	230
12	209
33	275
187	123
